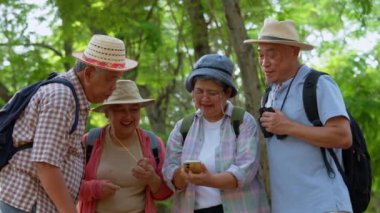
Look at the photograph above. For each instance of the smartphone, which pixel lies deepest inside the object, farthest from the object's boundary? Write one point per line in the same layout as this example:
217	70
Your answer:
195	166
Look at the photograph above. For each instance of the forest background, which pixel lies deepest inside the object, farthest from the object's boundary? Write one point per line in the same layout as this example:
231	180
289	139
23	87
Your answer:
166	37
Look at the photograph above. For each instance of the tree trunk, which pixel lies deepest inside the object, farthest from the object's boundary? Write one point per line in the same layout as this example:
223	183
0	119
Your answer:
198	28
68	47
249	74
158	111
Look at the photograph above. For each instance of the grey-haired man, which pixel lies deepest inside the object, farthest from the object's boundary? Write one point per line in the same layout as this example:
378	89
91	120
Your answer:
298	177
47	177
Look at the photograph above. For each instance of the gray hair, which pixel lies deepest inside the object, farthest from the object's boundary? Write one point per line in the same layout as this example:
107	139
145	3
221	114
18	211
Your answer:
79	66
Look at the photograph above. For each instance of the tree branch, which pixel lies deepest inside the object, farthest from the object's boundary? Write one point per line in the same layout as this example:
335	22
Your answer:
43	45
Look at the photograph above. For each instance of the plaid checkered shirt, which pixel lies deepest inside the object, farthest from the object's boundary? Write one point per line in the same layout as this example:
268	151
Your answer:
46	121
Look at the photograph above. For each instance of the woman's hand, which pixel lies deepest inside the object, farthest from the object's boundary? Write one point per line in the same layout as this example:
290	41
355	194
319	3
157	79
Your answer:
223	180
181	177
107	188
145	172
178	178
201	179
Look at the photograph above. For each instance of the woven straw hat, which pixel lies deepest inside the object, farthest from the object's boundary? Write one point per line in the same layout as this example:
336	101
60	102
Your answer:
280	32
126	92
107	53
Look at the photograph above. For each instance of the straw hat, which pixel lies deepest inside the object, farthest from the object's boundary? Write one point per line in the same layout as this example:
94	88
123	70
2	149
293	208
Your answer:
280	32
126	92
214	65
107	53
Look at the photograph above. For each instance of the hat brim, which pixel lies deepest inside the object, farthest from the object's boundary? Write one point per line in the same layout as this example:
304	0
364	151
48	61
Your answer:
302	46
143	103
221	76
129	63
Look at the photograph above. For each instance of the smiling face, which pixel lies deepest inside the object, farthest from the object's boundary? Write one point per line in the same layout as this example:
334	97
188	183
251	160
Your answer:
209	96
279	62
124	119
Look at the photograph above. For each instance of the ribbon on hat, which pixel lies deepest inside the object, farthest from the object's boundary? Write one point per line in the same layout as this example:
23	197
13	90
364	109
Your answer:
215	68
103	64
275	38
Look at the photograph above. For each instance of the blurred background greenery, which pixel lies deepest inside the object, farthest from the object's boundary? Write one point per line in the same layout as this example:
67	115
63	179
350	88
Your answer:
166	37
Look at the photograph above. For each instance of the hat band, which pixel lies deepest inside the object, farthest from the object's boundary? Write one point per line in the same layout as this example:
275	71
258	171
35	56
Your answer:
215	68
103	64
275	38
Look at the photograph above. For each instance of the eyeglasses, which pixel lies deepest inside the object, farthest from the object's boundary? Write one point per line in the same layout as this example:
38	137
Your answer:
199	93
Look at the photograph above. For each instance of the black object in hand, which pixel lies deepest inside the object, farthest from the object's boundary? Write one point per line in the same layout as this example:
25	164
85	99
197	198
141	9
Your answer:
265	132
261	111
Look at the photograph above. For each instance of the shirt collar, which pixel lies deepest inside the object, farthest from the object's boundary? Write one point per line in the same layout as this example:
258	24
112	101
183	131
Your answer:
227	111
73	78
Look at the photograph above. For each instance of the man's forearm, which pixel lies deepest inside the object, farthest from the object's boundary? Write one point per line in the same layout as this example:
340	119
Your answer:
54	184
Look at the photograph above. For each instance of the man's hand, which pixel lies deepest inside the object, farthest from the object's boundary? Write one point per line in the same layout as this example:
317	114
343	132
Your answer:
53	182
275	122
335	133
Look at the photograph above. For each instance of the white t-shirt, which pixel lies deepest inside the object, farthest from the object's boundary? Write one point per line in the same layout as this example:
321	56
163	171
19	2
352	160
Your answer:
207	196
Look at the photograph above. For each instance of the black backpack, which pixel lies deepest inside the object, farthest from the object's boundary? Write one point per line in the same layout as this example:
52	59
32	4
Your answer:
237	117
10	111
356	160
94	134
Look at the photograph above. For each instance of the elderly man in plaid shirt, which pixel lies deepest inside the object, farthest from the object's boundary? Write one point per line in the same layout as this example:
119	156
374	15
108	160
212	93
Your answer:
47	177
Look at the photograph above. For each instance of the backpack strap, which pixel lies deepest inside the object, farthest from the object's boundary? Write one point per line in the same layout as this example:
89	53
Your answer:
27	93
92	135
237	117
337	163
265	96
71	86
310	97
311	109
154	145
185	126
51	79
52	75
11	110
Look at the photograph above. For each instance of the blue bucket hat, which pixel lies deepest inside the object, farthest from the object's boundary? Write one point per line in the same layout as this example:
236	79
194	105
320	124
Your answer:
216	66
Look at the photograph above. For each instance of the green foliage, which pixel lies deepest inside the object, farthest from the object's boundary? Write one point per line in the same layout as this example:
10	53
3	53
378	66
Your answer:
157	33
359	83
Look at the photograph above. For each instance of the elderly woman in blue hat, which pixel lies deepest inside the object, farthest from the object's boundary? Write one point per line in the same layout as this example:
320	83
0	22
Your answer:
212	164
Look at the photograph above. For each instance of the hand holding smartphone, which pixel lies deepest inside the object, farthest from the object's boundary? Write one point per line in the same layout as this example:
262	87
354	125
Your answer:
195	166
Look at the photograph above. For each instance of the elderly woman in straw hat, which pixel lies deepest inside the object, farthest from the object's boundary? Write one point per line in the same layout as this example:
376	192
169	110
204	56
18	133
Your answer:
122	174
215	166
300	181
